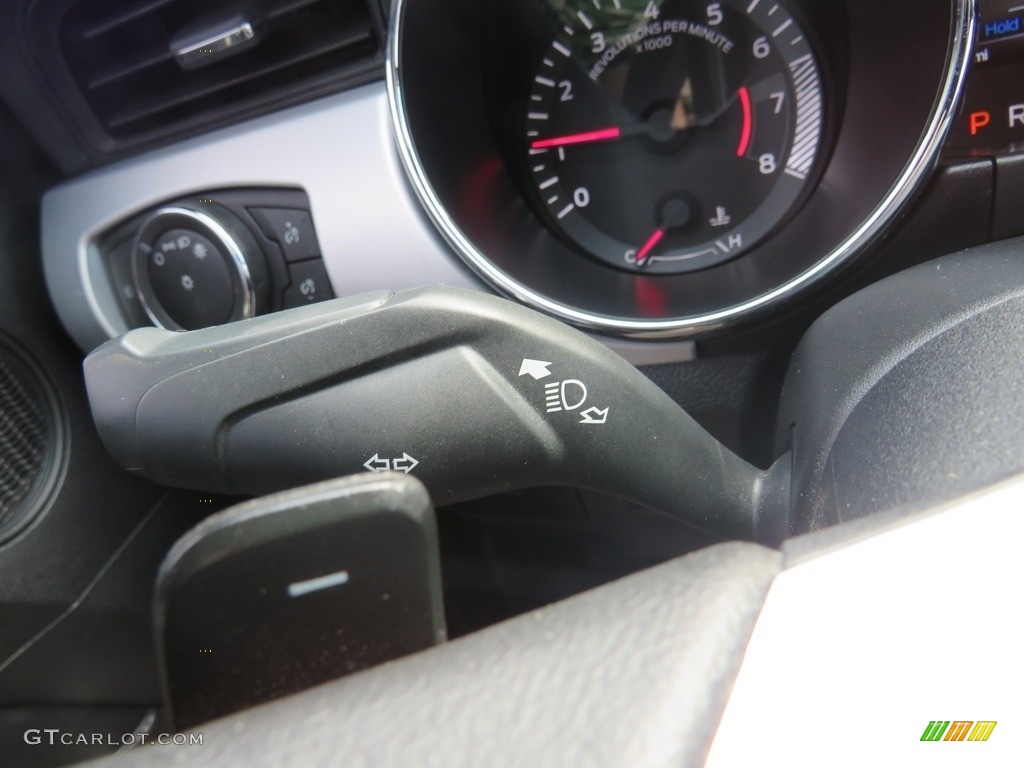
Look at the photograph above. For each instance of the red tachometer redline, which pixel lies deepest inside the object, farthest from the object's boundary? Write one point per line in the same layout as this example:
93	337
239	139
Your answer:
748	122
605	134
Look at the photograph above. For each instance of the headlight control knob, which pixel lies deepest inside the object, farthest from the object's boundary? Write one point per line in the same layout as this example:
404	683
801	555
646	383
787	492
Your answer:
195	267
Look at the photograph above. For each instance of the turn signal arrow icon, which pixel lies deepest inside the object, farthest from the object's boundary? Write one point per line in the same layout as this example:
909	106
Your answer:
376	464
405	464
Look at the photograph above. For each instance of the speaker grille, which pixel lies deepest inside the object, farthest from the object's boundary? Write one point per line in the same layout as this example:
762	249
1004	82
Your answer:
27	441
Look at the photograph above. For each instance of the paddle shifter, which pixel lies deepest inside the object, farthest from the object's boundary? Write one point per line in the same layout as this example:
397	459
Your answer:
472	394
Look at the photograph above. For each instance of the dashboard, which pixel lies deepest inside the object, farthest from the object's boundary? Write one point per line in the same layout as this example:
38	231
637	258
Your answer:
701	187
695	169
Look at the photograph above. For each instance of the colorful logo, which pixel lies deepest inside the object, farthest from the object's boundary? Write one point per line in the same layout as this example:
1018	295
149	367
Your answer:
958	730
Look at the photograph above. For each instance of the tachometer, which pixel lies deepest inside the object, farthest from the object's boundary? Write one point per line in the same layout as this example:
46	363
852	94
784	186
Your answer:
670	136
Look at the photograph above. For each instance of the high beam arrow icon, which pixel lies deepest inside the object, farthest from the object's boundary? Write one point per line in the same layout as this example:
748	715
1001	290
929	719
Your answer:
536	368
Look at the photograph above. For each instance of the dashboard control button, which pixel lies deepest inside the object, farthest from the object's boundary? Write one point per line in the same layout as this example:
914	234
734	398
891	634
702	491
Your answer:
197	267
190	279
292	229
310	284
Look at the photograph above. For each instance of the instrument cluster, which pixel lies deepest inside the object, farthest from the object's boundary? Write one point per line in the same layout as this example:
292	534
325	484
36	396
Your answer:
670	168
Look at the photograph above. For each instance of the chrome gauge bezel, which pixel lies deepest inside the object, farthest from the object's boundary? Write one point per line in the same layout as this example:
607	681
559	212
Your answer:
914	173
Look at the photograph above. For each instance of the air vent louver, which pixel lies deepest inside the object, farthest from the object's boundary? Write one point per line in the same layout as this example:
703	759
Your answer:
122	59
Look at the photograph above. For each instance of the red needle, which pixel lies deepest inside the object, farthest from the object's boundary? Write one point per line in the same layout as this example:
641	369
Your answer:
652	241
605	134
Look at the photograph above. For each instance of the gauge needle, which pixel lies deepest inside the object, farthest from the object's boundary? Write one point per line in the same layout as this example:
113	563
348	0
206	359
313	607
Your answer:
592	137
652	241
604	134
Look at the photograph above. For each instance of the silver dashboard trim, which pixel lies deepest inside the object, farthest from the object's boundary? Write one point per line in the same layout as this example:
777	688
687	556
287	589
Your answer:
371	228
914	174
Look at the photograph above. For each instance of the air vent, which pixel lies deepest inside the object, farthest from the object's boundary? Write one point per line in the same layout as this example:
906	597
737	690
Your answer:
130	63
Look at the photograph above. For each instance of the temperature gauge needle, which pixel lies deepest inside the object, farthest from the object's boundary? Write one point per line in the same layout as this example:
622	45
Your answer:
675	212
645	250
604	134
